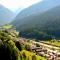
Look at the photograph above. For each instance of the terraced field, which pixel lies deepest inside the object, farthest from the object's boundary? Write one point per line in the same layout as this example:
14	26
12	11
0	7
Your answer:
53	42
30	55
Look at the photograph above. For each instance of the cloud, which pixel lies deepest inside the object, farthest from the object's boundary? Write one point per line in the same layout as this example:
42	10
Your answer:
14	5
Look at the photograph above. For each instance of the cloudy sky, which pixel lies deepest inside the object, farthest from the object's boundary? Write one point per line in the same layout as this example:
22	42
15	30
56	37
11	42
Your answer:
14	5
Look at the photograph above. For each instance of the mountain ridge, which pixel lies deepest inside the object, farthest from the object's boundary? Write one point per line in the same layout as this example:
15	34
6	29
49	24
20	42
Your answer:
38	15
47	22
6	15
38	7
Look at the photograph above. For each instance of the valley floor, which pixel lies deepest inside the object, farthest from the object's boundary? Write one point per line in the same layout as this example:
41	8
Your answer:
26	49
48	51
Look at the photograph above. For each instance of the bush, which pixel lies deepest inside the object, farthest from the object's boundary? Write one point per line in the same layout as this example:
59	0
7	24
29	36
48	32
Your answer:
37	45
8	50
28	48
18	45
24	55
33	57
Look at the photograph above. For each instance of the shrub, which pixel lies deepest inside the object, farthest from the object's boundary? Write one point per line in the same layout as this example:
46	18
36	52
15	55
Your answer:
28	48
8	50
33	57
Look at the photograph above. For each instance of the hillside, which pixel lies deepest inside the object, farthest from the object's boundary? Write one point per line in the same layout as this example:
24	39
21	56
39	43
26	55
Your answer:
38	8
47	22
6	15
13	47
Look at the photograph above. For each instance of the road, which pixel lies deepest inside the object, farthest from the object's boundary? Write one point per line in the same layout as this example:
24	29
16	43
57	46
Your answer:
49	47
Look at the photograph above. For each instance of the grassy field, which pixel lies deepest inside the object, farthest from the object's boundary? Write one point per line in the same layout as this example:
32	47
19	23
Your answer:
7	26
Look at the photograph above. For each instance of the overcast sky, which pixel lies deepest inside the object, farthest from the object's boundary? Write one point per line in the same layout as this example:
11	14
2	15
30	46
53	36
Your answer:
14	5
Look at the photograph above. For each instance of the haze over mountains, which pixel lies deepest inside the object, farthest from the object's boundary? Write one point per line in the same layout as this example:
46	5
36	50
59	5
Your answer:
48	19
43	17
37	14
6	15
39	7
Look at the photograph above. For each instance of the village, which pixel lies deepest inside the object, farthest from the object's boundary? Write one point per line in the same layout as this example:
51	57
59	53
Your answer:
48	51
